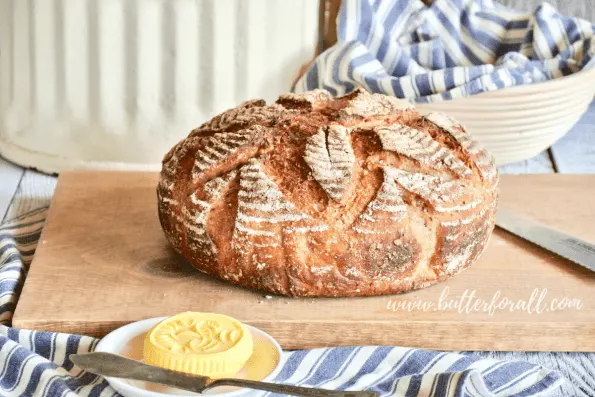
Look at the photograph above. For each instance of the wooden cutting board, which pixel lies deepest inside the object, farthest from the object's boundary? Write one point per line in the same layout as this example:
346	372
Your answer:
103	262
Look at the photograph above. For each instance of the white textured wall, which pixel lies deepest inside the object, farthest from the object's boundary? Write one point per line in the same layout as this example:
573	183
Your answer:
122	80
578	8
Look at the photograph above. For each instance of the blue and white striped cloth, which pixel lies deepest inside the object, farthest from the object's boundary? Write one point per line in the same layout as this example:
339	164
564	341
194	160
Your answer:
454	48
37	364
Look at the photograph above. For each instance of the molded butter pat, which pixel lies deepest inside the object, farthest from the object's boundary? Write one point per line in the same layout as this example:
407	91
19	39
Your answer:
206	344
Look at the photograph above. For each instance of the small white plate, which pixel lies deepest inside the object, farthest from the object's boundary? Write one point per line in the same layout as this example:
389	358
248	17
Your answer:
264	364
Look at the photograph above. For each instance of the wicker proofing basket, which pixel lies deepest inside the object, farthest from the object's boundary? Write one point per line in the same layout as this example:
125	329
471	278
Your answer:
115	83
517	123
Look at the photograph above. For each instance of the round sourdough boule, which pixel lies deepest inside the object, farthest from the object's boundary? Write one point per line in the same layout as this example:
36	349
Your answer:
322	196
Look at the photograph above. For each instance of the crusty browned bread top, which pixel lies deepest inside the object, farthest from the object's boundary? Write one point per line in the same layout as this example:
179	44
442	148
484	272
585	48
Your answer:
314	195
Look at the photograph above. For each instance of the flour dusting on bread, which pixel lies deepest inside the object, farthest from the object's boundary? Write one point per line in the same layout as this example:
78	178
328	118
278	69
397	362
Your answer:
420	146
330	157
322	196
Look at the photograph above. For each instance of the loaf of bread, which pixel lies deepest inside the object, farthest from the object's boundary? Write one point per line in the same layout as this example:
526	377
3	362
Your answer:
321	196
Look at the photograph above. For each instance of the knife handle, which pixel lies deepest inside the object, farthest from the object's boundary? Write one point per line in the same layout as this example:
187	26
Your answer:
289	389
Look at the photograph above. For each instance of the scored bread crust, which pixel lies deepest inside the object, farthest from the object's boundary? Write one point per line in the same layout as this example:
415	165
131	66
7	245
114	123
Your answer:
321	196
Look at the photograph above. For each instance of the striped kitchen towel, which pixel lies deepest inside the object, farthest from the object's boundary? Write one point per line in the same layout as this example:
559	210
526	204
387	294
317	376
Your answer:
452	49
37	363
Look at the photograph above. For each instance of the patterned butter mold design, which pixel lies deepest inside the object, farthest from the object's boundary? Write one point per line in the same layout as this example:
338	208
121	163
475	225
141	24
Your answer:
196	336
198	343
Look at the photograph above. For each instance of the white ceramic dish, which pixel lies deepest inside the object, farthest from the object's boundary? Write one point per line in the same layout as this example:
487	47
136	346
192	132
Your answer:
265	363
517	123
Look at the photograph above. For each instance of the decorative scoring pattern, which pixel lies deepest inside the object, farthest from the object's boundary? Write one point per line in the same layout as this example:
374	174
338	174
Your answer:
310	98
250	112
386	210
483	160
222	145
330	157
429	216
196	218
262	210
420	146
441	193
364	105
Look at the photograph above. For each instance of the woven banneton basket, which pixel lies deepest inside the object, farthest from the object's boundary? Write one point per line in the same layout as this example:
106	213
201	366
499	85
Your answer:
516	123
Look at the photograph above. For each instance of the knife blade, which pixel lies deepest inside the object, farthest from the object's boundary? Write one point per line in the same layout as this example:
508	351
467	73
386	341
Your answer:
572	248
113	365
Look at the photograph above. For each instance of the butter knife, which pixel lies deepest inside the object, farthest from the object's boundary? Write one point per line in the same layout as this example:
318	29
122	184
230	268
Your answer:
113	365
574	249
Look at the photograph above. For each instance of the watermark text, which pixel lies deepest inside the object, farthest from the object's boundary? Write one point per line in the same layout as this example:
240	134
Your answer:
469	301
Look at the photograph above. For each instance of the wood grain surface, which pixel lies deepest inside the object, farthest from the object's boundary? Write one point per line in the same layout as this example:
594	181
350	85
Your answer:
103	262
